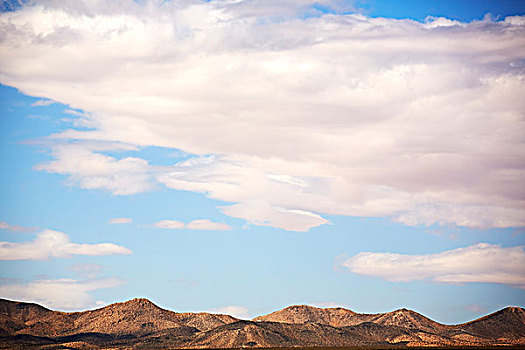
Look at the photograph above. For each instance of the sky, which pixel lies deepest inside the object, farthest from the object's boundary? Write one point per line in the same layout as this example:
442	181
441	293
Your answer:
241	156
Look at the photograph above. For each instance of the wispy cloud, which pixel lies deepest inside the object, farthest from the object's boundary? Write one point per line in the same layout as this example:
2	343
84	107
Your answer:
53	244
201	224
89	271
40	103
205	224
120	221
15	228
476	309
480	263
59	294
241	312
329	304
171	224
326	115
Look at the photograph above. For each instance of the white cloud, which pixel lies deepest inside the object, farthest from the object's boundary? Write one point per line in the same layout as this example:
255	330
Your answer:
121	221
93	170
53	244
482	263
171	224
261	198
58	294
329	115
42	103
200	224
15	228
205	224
237	311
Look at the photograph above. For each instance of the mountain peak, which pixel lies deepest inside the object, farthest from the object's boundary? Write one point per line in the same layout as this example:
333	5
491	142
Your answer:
139	302
335	317
514	309
301	307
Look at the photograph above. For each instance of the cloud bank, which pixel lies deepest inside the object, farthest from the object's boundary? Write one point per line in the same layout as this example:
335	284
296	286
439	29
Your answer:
481	263
59	294
53	244
303	116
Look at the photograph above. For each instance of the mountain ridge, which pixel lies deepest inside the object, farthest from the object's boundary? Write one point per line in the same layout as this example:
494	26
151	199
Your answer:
139	323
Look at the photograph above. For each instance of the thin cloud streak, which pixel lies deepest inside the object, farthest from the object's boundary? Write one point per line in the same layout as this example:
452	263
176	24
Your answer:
200	224
120	221
170	224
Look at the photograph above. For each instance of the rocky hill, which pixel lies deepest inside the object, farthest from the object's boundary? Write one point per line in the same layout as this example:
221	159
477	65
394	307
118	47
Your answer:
335	317
340	317
140	324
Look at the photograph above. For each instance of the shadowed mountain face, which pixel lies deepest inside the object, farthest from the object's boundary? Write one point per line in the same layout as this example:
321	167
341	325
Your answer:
507	325
140	324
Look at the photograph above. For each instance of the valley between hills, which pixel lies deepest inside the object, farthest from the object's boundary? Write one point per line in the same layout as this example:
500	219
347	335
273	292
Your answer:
140	324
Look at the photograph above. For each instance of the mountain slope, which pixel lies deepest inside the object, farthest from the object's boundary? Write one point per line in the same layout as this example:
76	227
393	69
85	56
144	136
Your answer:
28	318
275	334
140	324
335	317
340	317
204	321
137	316
131	317
407	319
506	326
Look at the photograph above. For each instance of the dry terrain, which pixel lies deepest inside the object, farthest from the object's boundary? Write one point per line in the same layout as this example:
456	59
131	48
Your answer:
140	324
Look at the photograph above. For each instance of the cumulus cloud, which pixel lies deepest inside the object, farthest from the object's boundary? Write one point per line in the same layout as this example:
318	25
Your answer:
59	294
120	221
237	311
422	122
53	244
200	224
481	263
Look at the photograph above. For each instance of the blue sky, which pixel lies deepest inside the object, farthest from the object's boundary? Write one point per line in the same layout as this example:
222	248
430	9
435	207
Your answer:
211	158
462	10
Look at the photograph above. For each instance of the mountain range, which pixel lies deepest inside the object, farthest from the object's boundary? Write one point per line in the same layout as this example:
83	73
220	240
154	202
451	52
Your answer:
140	324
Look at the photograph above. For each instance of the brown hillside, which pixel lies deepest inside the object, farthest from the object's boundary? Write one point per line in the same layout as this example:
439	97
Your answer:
131	317
140	324
408	319
335	317
506	325
340	317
